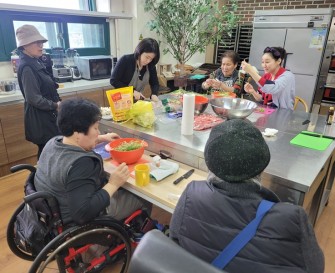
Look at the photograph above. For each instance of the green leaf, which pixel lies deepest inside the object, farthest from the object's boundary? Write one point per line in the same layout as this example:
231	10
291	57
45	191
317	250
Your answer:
188	26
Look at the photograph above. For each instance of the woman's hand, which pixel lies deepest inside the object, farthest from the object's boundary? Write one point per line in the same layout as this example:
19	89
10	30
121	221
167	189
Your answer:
154	98
119	176
249	88
107	137
209	83
246	67
137	95
216	84
251	70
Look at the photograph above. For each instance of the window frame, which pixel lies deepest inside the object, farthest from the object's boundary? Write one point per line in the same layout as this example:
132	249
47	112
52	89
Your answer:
7	30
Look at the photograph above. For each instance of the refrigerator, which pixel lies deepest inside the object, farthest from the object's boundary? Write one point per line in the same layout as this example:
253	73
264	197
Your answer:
308	38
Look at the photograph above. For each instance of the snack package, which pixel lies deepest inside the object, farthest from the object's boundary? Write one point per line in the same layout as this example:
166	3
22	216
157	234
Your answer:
143	114
120	101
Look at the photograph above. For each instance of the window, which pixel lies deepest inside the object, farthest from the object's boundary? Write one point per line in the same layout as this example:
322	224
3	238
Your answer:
47	29
94	5
85	35
63	4
88	35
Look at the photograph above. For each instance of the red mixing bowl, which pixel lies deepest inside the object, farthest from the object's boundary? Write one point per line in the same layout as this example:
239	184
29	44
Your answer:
129	157
200	104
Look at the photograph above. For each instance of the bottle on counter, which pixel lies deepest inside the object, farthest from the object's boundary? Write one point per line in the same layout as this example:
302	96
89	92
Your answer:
330	116
15	60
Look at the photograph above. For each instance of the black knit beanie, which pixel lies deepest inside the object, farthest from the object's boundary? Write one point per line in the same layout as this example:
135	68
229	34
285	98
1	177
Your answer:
236	151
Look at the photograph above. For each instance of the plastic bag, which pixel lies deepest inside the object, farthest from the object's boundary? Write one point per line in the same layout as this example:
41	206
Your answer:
143	113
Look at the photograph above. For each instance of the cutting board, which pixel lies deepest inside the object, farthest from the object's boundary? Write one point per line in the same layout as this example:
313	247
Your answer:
316	143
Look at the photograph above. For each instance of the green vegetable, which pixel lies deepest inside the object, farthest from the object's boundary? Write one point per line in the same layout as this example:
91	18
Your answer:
145	119
128	146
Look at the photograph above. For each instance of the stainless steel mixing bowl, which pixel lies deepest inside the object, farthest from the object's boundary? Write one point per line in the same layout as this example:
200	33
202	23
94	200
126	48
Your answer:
199	108
232	108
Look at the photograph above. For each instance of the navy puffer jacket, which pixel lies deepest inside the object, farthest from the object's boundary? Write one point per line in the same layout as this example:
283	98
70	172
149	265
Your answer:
207	218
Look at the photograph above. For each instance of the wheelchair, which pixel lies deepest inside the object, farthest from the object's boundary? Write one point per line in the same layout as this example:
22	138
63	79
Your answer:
101	243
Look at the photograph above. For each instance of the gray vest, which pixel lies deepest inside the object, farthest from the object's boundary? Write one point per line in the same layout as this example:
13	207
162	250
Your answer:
52	171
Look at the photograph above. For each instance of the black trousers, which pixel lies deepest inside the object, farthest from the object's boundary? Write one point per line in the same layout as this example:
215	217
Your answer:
40	148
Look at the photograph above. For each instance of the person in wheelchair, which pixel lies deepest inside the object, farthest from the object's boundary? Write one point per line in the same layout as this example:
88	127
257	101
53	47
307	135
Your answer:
211	214
74	174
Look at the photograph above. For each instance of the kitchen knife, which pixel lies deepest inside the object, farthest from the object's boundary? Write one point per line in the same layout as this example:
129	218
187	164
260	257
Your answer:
315	135
186	175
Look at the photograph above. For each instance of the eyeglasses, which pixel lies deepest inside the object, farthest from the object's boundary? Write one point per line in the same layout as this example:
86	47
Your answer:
273	51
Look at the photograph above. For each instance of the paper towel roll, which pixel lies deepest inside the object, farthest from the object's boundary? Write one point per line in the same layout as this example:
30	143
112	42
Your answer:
188	114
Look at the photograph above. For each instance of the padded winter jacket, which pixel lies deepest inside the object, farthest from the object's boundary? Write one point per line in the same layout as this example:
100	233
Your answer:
207	218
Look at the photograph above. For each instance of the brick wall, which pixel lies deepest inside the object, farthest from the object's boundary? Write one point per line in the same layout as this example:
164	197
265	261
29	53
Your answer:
246	8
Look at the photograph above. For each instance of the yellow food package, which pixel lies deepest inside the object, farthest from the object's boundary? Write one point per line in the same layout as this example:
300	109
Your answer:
120	101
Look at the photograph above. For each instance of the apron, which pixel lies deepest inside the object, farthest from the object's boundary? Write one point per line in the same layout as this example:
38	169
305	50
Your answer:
138	84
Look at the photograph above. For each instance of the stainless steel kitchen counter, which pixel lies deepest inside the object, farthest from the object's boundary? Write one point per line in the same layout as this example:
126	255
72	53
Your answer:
295	173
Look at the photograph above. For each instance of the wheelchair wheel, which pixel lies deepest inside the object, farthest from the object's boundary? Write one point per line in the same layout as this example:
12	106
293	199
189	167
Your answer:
89	248
11	240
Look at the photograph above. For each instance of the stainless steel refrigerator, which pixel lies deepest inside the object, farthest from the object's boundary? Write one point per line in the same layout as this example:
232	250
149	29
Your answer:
308	37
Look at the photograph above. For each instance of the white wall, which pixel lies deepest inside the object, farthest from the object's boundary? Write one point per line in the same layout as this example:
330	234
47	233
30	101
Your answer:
139	26
6	71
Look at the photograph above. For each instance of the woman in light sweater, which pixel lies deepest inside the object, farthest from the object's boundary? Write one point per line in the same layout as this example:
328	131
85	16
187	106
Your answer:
277	85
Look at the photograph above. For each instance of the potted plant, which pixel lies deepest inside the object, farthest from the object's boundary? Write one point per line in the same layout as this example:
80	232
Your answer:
188	26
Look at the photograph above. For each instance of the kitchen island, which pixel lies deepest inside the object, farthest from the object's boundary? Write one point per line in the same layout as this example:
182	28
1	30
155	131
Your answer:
296	174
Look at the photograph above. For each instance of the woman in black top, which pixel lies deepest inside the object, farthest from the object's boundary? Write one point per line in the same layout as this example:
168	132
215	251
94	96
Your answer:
39	90
138	69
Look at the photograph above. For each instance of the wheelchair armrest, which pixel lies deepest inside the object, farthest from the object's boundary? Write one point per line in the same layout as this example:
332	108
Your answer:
156	253
20	167
52	201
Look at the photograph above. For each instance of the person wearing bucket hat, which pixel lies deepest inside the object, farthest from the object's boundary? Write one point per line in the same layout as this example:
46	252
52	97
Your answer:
210	214
41	99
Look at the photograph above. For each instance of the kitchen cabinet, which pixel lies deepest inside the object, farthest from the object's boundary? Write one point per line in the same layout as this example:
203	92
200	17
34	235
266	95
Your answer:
13	131
106	103
70	95
3	151
95	95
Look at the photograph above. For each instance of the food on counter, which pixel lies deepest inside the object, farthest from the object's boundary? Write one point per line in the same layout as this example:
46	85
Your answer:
206	121
129	146
127	153
219	94
105	111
